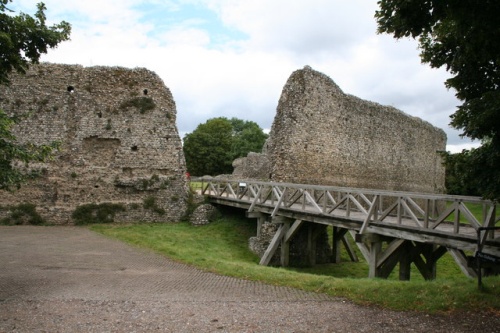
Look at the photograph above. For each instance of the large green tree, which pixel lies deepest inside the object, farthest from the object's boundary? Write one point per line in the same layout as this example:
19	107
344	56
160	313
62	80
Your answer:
23	39
211	148
464	37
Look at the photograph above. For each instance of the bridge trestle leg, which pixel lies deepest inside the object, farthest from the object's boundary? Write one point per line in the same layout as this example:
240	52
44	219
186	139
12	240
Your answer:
382	260
340	238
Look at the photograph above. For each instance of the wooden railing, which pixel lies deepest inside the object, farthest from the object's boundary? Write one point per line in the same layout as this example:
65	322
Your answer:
438	213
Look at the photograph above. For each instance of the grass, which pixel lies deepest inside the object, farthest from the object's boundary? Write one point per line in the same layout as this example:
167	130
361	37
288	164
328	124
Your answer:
221	247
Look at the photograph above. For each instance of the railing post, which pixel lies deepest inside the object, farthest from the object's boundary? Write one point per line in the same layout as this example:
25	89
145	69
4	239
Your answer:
426	215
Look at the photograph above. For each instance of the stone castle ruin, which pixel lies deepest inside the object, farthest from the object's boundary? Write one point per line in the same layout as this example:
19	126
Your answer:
120	155
323	136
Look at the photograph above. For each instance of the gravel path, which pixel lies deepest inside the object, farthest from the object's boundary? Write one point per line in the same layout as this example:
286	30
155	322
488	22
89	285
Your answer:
69	279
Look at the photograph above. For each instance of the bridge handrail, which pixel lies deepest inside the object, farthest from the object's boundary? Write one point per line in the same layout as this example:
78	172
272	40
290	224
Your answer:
419	210
418	195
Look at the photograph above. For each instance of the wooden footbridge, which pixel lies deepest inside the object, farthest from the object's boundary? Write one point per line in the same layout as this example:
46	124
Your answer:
390	228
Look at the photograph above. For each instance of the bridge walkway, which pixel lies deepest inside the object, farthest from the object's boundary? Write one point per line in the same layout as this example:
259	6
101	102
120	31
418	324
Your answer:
389	227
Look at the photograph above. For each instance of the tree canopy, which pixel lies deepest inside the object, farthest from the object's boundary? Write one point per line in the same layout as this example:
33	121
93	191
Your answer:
211	148
464	37
22	41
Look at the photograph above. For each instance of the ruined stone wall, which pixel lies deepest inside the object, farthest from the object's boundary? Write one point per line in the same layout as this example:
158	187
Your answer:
119	141
322	136
253	166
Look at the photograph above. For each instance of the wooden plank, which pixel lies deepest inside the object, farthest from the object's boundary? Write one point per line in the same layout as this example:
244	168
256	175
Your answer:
386	212
392	248
350	251
375	249
461	259
337	237
373	208
443	217
489	222
361	246
278	204
415	206
469	216
412	215
285	247
293	229
255	200
312	202
273	246
357	204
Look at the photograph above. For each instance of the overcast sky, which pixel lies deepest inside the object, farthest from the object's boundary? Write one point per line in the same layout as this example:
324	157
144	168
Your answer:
232	58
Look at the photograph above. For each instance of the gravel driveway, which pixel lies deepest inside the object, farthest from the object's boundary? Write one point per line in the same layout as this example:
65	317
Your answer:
70	279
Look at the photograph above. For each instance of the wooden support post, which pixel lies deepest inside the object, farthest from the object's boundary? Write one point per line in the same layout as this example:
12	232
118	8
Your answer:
405	260
338	236
311	245
375	246
261	219
285	246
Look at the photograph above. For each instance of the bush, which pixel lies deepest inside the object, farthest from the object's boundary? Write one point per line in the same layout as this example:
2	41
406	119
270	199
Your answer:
24	213
96	213
143	104
150	203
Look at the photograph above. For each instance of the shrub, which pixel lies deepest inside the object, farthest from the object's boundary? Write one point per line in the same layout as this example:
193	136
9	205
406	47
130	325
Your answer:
143	104
96	213
150	203
24	213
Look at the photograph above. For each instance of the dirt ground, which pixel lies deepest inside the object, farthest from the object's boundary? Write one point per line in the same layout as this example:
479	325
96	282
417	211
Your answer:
69	279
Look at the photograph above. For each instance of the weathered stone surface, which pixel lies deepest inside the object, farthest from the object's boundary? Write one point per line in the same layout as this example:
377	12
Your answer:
258	245
204	214
119	141
253	166
322	136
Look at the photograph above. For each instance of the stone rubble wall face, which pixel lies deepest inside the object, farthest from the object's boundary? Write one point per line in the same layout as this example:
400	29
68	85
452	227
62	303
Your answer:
322	136
110	152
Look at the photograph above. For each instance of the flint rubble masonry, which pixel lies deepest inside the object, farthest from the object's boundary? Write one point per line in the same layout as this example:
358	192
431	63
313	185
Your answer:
322	136
119	141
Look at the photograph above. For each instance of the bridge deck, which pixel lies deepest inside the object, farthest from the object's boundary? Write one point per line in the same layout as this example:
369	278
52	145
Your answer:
428	218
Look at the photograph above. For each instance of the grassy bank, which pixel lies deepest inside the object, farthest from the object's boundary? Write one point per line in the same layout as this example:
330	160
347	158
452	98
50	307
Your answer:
221	247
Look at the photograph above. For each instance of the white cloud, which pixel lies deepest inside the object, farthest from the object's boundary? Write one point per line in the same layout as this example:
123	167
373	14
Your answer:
232	57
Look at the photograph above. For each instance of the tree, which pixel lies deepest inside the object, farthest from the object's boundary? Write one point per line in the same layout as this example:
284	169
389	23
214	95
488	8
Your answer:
22	41
463	36
247	137
208	148
211	148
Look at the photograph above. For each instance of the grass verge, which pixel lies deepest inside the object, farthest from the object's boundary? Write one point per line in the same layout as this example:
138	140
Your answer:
221	247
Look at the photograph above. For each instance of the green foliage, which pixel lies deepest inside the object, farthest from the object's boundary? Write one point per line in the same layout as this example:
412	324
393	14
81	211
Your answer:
208	148
464	37
22	40
10	151
150	203
247	137
459	180
143	104
211	148
21	214
463	176
96	213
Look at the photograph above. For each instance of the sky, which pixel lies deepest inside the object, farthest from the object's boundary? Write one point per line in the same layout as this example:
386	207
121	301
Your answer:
231	58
